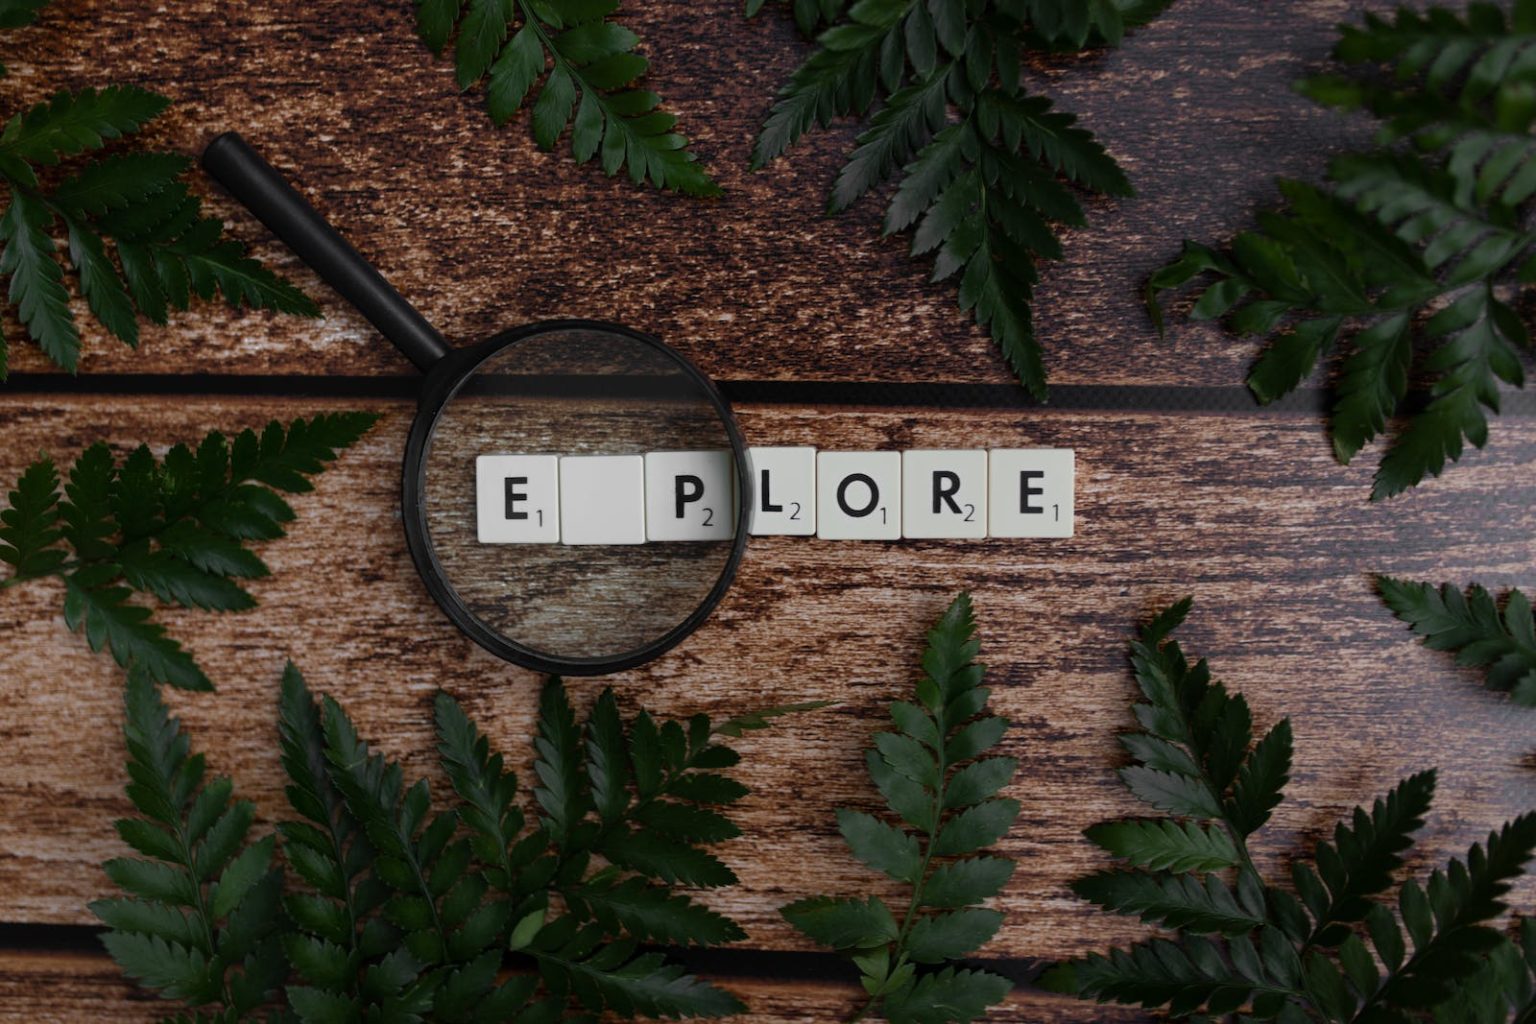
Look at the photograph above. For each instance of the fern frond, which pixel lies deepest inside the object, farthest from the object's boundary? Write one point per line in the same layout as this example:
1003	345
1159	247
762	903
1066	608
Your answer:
945	797
1360	861
137	237
1243	947
588	66
986	172
175	529
201	919
1471	625
1414	240
72	123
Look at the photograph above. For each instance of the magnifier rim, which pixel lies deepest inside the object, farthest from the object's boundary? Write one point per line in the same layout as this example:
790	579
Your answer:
441	384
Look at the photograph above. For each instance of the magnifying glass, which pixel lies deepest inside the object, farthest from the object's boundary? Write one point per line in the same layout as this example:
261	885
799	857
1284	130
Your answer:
574	491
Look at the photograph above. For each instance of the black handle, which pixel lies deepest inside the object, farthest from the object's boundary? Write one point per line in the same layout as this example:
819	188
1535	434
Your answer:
265	192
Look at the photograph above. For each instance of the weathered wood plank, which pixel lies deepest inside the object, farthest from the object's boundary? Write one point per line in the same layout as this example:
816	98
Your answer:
484	231
1248	513
68	987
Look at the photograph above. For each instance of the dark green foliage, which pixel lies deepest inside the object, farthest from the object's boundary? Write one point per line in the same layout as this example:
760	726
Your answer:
136	237
944	793
20	13
1419	241
591	67
175	528
201	918
1502	645
986	170
1503	989
1050	24
1331	947
410	901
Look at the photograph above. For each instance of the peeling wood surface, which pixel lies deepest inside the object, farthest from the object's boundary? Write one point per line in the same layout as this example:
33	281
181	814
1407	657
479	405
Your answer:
1248	513
484	231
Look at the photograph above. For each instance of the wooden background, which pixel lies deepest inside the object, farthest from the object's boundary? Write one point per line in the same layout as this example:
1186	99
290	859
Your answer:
1184	486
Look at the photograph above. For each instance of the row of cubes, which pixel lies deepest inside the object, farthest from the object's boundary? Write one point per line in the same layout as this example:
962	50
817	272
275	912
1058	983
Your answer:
693	496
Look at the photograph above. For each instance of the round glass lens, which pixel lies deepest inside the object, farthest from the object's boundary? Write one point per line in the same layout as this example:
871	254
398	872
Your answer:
580	494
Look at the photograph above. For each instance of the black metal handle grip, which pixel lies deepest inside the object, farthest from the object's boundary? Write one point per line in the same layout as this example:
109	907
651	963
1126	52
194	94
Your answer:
267	194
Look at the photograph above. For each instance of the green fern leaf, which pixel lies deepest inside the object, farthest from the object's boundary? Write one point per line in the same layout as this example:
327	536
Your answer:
37	280
20	13
29	527
754	721
400	916
103	613
213	263
1505	984
591	67
1261	780
1449	940
1362	858
175	530
948	995
1415	240
1470	624
72	123
614	980
667	859
1253	950
487	788
902	127
563	793
104	292
128	204
651	913
935	938
960	883
119	181
1173	900
929	774
1159	844
328	851
984	169
1183	976
204	929
808	14
843	924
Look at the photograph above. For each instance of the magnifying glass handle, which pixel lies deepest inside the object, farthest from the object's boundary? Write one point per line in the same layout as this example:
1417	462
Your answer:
267	194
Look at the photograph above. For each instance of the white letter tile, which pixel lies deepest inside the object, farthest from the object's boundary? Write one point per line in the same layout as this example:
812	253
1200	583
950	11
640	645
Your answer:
783	491
1032	492
690	495
602	499
944	493
518	499
858	495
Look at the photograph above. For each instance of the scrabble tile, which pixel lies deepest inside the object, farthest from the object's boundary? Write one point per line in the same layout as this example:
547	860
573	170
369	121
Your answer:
858	495
783	491
518	499
602	499
690	495
943	493
1031	492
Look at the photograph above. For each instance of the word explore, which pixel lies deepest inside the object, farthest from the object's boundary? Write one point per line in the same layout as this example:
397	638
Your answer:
799	491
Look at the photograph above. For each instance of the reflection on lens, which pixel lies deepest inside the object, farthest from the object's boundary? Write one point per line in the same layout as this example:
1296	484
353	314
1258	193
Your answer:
547	518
